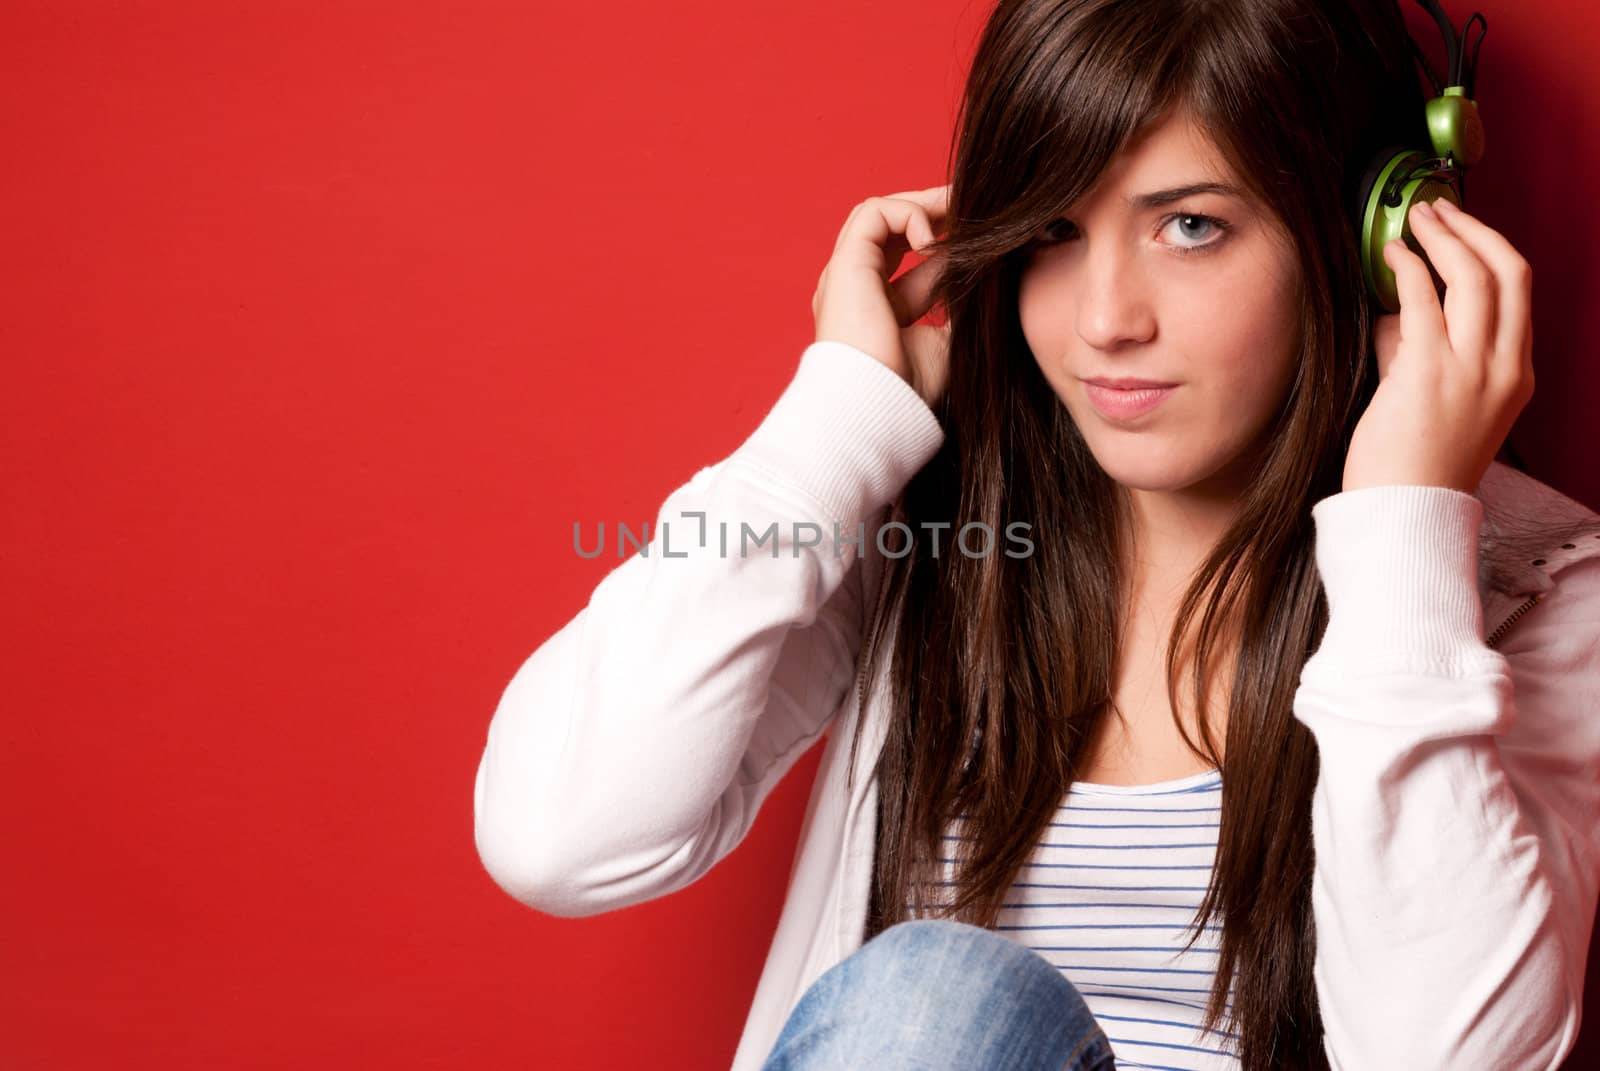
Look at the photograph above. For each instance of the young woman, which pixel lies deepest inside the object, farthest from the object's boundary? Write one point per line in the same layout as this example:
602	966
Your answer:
1245	721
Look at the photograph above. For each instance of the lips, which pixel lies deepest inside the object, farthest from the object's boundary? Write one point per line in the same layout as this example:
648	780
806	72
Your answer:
1128	383
1120	405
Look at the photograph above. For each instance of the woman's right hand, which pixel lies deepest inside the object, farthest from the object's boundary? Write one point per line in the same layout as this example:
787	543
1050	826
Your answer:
855	302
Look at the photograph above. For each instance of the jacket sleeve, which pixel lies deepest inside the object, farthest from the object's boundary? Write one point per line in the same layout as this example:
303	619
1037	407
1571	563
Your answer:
633	748
1454	886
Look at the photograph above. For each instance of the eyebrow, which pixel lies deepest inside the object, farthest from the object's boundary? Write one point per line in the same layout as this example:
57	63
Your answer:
1178	193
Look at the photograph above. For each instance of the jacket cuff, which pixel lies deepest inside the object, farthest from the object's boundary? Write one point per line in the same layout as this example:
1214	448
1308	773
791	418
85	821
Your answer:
847	430
1399	567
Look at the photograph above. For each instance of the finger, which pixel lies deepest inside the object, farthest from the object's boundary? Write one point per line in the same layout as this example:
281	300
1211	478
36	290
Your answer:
1470	296
880	230
910	228
903	225
1421	318
912	293
934	204
935	199
1513	275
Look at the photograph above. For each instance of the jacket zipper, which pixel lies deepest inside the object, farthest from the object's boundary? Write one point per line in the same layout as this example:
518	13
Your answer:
1500	630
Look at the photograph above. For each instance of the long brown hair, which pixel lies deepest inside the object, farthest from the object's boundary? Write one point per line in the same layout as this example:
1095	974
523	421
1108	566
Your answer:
1003	665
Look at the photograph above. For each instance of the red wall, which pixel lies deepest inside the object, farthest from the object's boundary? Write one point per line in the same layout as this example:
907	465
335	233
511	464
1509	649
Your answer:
322	323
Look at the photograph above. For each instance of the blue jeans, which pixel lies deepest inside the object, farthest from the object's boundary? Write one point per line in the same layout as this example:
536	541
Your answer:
939	995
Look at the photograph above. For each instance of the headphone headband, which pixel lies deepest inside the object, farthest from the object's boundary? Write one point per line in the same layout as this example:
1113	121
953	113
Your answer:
1399	177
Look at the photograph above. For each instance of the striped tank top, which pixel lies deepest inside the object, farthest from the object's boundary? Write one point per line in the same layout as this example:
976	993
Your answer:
1107	898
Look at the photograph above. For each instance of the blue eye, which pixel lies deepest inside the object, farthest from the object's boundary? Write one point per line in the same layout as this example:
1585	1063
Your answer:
1210	221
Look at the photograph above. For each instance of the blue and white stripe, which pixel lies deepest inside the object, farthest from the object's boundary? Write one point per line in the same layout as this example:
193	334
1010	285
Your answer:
1109	897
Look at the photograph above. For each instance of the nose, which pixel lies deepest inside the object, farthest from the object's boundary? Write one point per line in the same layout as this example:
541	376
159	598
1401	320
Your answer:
1113	300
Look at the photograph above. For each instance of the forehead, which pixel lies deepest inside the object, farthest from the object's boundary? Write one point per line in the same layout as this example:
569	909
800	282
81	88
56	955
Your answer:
1172	152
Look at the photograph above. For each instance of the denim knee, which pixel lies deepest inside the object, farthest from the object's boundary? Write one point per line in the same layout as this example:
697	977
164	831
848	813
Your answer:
930	994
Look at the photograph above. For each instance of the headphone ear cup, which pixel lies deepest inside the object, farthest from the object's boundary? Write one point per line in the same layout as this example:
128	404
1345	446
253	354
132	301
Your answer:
1363	212
1369	176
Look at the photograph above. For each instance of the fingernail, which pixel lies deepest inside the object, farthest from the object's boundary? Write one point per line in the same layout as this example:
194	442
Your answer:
1425	211
1449	208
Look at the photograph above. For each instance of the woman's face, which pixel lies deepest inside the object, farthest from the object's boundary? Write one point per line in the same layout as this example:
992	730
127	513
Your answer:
1120	289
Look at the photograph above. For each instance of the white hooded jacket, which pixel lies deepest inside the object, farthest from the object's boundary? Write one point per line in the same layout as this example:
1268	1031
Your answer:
1456	711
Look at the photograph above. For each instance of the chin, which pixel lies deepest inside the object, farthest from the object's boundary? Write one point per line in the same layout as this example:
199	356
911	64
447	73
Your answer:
1151	465
1145	457
1142	478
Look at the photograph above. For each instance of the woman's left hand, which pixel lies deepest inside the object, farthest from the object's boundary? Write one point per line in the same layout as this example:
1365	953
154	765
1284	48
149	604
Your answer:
1451	381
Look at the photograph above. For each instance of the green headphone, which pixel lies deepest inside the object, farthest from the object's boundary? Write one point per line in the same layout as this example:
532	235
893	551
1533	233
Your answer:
1399	177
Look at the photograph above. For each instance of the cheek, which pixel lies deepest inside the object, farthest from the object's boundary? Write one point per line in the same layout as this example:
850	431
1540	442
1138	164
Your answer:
1256	344
1045	320
1033	314
1252	368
